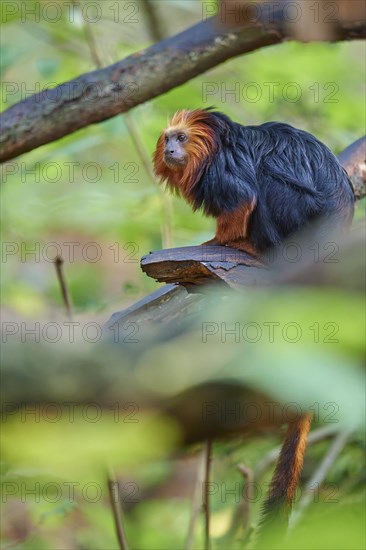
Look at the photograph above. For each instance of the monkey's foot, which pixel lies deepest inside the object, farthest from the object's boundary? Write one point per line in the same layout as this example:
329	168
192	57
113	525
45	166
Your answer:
244	246
239	244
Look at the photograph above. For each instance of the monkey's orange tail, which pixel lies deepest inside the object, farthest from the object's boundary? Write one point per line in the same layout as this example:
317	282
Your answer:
277	507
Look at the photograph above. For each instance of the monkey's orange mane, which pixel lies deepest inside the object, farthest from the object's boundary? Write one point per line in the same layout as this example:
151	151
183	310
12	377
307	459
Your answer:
201	146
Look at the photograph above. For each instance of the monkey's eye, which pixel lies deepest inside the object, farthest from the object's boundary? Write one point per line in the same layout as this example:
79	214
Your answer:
181	137
166	139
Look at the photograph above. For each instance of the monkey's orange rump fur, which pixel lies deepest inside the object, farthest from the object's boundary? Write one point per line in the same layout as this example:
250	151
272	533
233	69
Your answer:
232	229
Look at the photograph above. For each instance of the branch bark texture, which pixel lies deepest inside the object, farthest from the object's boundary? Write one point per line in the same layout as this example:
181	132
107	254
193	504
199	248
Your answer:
104	93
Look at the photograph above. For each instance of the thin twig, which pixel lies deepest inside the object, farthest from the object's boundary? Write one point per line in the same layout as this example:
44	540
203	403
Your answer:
319	475
197	500
166	235
245	509
153	20
64	290
206	493
92	46
116	506
89	35
166	231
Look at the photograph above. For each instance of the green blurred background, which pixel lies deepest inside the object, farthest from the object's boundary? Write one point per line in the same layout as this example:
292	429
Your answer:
55	194
113	212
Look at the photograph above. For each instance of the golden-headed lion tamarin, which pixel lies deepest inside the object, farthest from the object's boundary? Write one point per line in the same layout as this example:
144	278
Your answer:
261	183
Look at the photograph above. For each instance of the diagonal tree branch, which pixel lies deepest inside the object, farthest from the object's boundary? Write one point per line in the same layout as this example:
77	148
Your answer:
104	93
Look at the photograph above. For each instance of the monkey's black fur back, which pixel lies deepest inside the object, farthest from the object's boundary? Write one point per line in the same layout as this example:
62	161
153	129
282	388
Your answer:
293	177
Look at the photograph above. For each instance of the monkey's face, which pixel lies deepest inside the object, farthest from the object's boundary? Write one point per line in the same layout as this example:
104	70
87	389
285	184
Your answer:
184	148
175	153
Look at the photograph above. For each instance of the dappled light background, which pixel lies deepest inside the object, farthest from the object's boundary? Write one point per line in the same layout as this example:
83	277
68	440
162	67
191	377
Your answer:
92	186
92	198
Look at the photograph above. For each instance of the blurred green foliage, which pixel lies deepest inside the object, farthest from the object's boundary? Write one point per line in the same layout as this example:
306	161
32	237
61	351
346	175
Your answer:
54	194
92	189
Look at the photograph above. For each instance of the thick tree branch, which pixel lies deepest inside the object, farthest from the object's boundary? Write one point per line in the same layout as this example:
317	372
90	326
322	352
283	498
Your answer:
200	265
102	94
353	160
